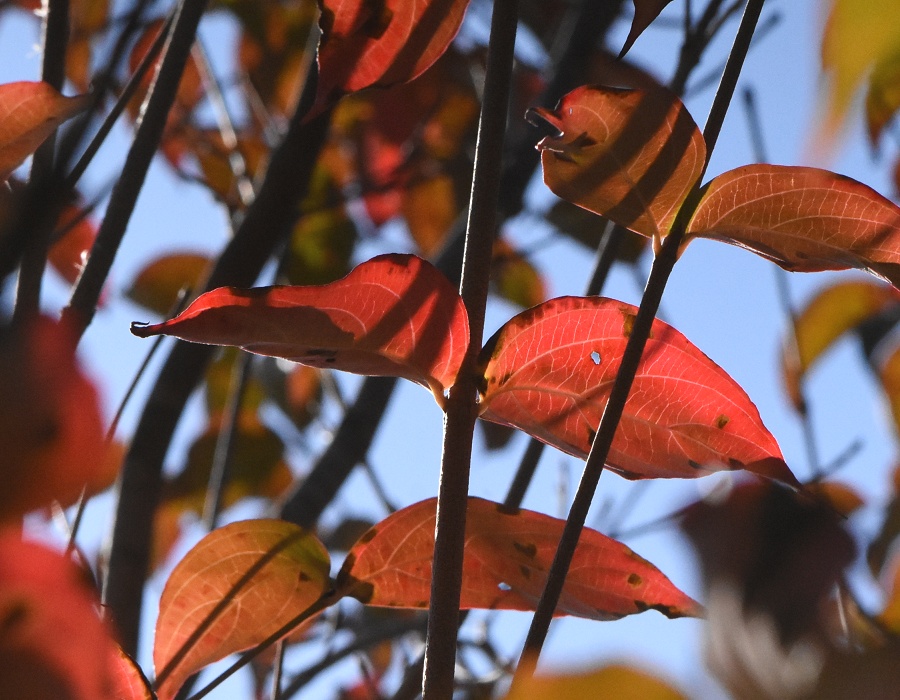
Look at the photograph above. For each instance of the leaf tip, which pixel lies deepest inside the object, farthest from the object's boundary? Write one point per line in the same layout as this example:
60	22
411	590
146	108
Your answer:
143	330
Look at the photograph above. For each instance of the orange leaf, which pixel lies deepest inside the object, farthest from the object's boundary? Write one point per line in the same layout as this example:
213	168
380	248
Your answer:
52	643
549	371
130	681
629	155
245	581
620	682
889	376
69	252
829	315
29	113
645	11
51	434
514	277
393	41
883	96
803	219
394	315
507	555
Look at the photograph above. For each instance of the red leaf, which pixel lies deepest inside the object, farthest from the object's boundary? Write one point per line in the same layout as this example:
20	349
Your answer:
29	113
645	11
549	371
394	315
69	252
803	219
250	578
629	155
52	643
51	434
381	43
507	555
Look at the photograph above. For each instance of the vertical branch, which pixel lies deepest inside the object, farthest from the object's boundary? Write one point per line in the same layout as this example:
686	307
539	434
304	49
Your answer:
612	413
55	39
459	424
86	294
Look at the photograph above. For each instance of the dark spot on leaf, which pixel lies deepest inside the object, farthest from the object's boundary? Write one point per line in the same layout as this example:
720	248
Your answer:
694	465
627	323
368	536
505	378
417	604
595	358
15	616
304	576
722	421
634	580
526	572
641	606
529	550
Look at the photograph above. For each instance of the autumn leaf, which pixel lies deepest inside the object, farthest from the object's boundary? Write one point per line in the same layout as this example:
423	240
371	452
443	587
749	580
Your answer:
830	314
69	252
160	282
616	681
129	679
29	113
394	315
365	44
238	585
507	555
883	95
549	371
52	442
889	376
514	277
52	643
645	11
629	155
803	219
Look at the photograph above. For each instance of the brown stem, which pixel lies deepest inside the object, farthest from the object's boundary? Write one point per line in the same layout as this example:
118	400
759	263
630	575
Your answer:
659	274
459	425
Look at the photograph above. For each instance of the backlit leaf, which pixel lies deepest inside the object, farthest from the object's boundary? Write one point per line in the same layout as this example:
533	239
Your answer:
889	375
843	498
620	682
130	681
321	247
507	555
629	155
394	315
827	317
69	252
158	285
549	371
883	96
514	277
645	11
29	113
365	44
248	579
858	35
52	642
51	433
803	219
430	208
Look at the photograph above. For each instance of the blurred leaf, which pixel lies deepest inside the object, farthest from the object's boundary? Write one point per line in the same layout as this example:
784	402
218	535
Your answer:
394	315
507	555
803	219
880	547
549	370
430	208
344	535
295	389
159	284
52	440
219	385
584	227
87	19
629	155
827	317
257	467
883	96
365	44
29	113
645	11
257	575
321	247
69	252
843	498
890	616
859	34
214	158
496	436
515	278
620	682
52	643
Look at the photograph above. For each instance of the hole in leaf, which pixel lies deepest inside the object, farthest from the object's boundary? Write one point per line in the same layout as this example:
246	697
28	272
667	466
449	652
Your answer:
503	586
595	357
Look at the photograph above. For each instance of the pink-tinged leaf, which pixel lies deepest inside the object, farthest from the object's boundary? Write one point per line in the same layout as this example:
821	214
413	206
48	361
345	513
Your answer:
629	155
381	43
394	315
29	113
130	681
645	11
52	642
549	371
237	586
507	556
803	219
